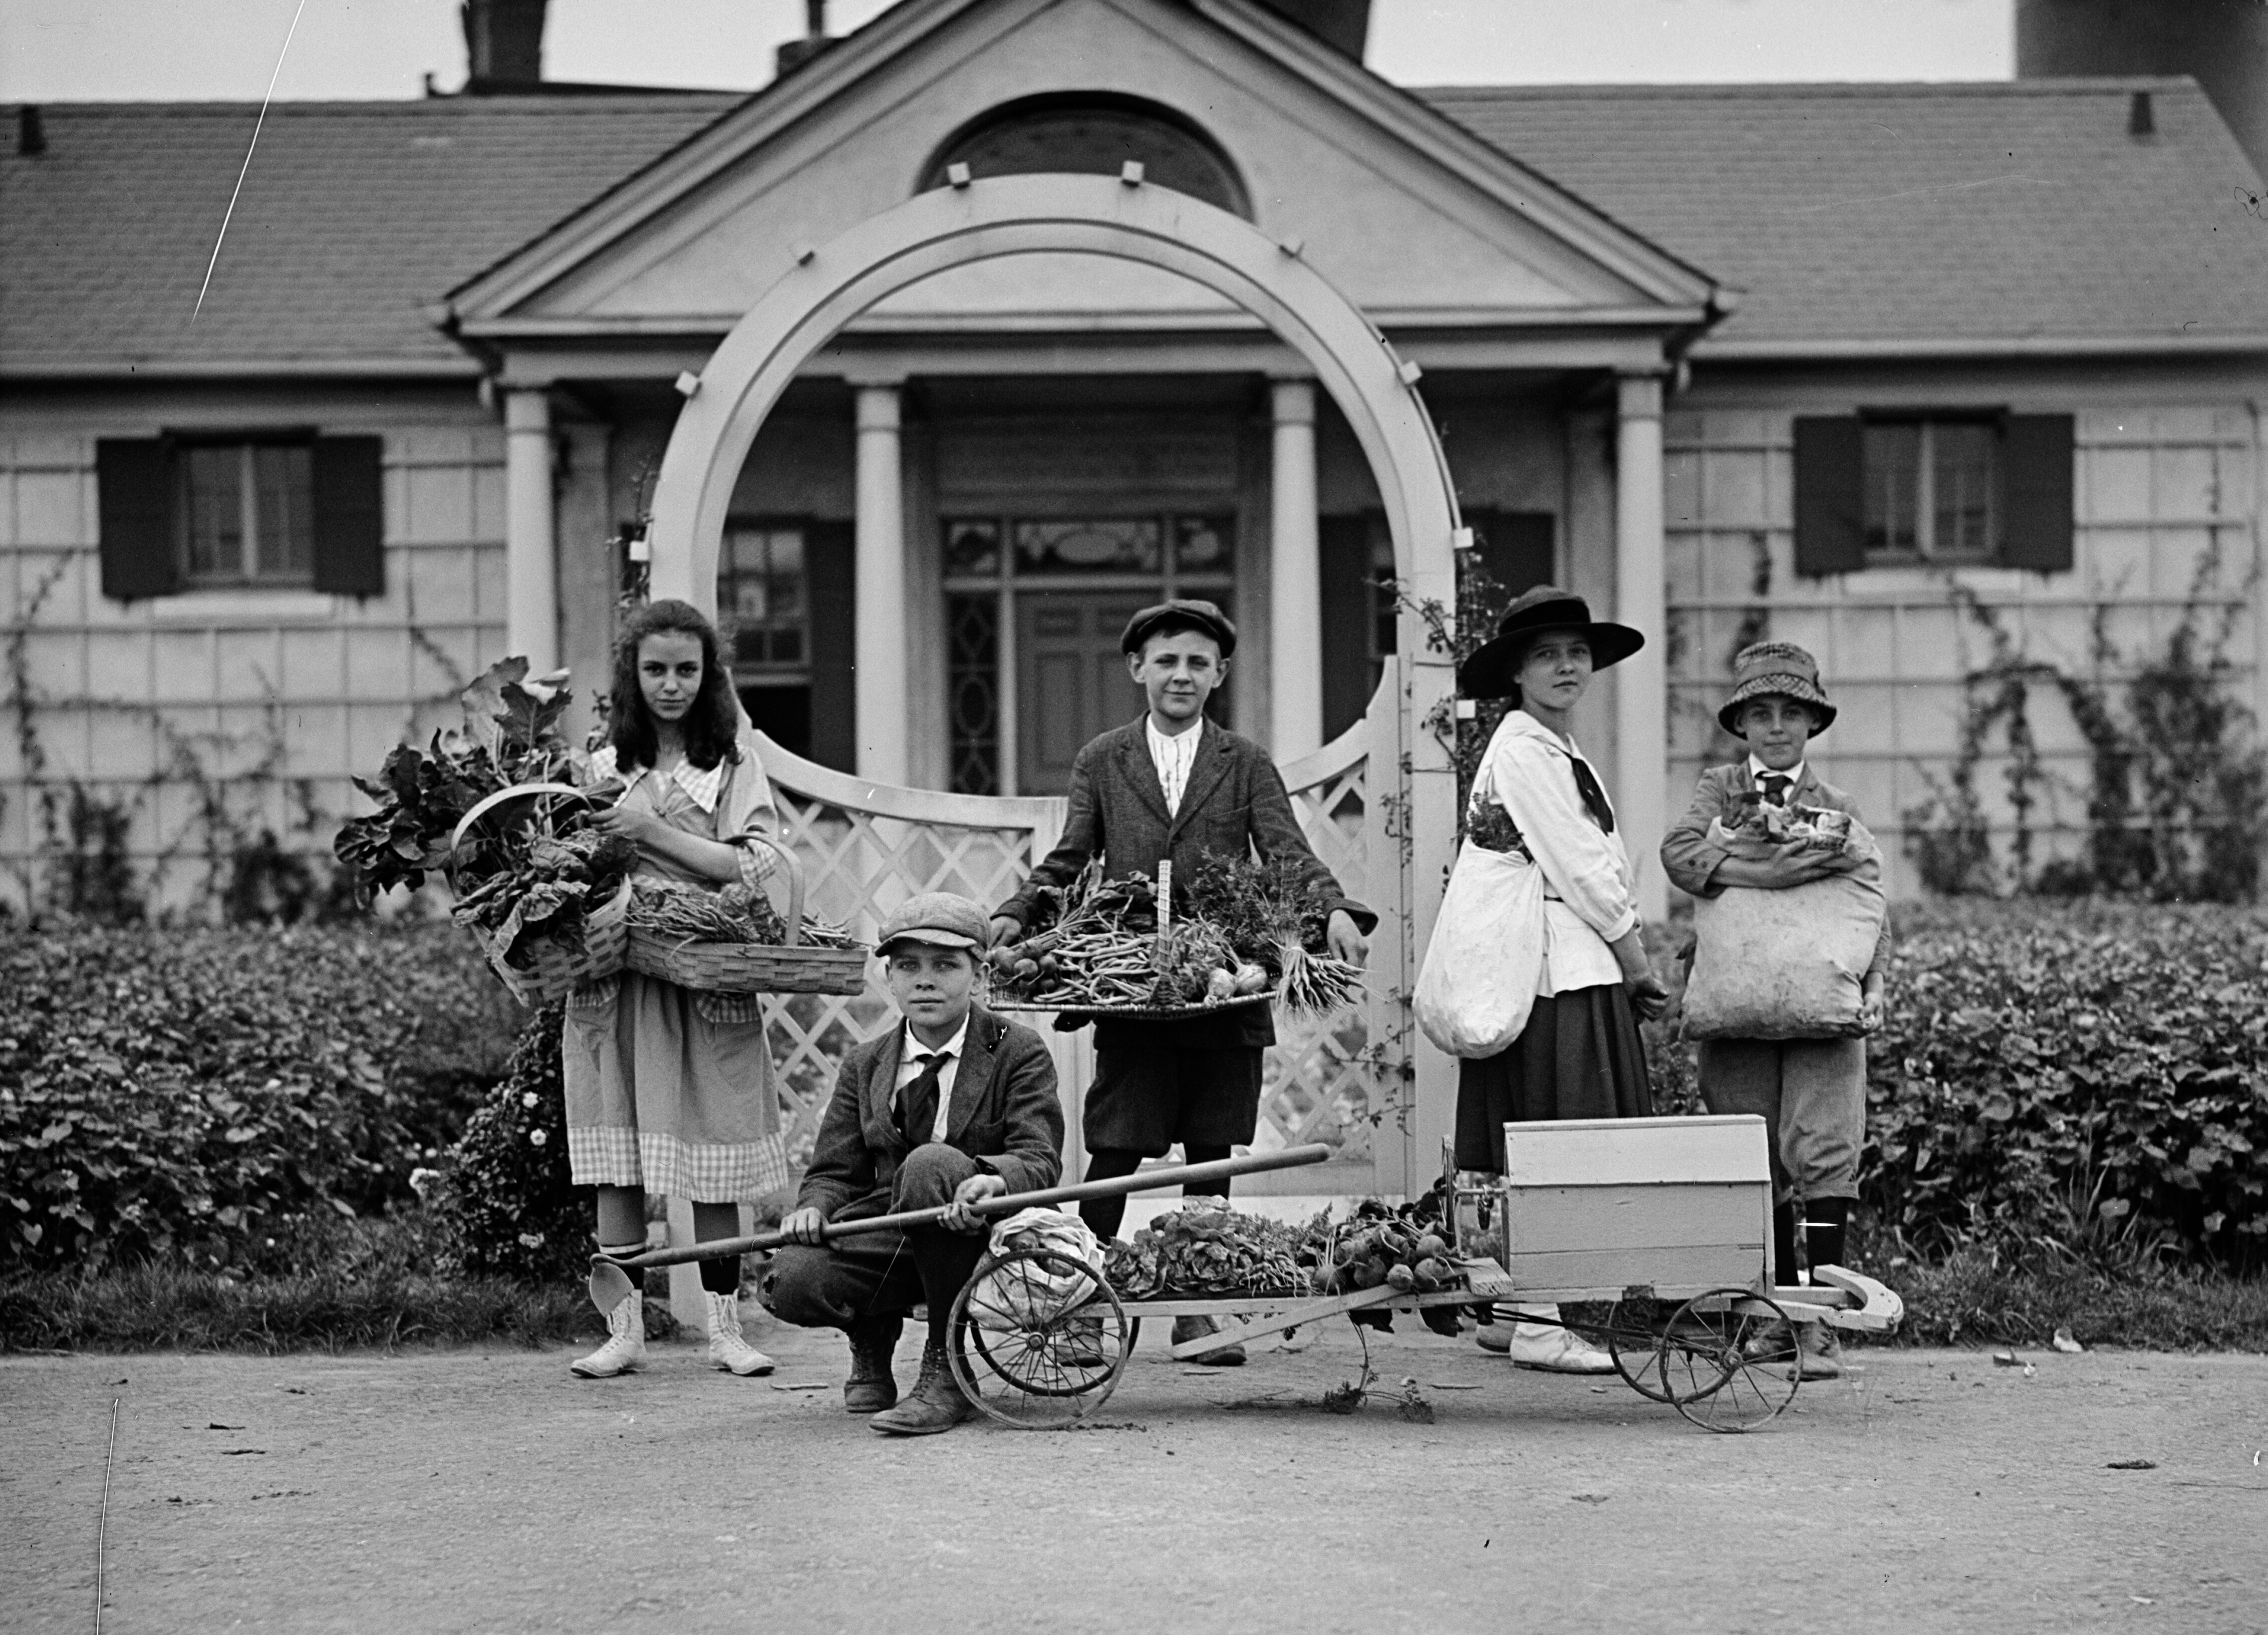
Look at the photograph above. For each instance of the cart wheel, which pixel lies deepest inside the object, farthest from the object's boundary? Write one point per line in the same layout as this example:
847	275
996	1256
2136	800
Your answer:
1727	1360
1634	1331
1038	1341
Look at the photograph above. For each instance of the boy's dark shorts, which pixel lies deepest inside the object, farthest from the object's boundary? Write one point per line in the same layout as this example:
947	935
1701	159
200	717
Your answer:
1145	1099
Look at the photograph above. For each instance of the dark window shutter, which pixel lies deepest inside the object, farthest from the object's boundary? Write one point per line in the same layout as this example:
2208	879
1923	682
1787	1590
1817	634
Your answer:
1349	590
1831	495
134	485
830	582
350	516
2035	493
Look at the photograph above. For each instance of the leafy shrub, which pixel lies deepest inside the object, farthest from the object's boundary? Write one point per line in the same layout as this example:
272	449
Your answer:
183	1092
2091	1080
501	1196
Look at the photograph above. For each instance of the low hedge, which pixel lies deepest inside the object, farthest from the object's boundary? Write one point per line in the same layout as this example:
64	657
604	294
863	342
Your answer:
183	1092
2089	1079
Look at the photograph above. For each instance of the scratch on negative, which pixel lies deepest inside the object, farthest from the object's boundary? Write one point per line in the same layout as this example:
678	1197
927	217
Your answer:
1912	193
226	215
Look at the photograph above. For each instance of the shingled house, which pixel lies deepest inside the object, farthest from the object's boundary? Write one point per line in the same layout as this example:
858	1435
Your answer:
1913	362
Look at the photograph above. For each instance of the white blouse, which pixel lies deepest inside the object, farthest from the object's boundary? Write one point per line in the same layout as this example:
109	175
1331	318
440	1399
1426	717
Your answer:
1591	894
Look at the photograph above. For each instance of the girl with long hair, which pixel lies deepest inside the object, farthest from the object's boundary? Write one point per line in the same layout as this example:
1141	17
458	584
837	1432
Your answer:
670	1090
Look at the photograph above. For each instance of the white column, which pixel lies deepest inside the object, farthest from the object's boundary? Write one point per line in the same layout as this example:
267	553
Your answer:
1295	680
530	531
1641	702
879	651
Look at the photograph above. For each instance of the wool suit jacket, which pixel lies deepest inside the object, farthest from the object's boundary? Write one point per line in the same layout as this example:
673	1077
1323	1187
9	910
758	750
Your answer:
1004	1109
1690	858
1234	804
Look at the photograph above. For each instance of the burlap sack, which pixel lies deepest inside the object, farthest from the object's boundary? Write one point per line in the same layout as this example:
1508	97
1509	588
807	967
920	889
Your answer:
1786	964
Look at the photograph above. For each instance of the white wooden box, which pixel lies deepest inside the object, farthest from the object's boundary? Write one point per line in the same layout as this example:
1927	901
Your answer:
1591	1209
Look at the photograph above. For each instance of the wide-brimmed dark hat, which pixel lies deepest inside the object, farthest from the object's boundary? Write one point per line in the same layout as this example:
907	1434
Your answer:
1775	669
1179	615
1491	673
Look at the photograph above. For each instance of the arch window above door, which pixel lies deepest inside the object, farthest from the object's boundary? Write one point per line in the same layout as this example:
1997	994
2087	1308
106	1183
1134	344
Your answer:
1093	135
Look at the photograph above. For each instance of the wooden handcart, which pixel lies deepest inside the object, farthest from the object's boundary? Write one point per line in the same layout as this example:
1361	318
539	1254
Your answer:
1668	1219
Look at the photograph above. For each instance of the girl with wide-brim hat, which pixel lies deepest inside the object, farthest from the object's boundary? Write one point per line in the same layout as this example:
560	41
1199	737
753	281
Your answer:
1580	1056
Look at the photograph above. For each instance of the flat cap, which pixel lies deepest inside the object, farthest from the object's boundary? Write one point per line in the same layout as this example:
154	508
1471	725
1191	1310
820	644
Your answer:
1179	615
939	918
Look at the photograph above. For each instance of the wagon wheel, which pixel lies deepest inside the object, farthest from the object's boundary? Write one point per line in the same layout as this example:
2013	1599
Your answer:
1727	1358
1037	1339
1634	1331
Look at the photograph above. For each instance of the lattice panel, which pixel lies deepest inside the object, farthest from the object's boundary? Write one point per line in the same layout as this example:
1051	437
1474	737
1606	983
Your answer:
860	866
1315	1088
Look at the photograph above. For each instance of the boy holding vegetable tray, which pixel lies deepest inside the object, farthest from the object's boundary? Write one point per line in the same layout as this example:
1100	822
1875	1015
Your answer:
1175	784
1791	945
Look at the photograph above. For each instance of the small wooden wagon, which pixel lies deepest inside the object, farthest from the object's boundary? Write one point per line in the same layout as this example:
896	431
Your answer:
1668	1219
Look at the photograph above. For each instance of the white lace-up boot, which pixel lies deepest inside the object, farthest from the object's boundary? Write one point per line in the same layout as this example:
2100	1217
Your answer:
625	1351
727	1349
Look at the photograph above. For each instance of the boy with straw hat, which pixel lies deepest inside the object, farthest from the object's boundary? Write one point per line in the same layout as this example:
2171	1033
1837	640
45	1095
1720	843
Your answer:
1811	1092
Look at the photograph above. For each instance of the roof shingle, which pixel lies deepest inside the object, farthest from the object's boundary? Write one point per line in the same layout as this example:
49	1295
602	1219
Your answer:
1854	212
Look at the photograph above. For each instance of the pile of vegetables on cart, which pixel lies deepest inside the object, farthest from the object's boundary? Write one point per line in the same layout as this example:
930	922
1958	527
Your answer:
1234	930
1198	1252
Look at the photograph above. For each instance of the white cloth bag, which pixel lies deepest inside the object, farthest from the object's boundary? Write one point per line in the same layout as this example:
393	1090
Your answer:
1787	964
1030	1296
1485	961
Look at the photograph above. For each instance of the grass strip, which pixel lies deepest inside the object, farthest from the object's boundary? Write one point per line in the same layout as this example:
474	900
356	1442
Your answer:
1972	1297
151	1308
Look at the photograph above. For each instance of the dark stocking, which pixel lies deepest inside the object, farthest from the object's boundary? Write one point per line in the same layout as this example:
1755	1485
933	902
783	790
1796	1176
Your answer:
1784	1245
944	1259
1825	1221
1204	1155
1103	1216
711	1221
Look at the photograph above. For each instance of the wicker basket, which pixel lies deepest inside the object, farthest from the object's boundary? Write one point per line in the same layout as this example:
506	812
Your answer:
753	966
553	972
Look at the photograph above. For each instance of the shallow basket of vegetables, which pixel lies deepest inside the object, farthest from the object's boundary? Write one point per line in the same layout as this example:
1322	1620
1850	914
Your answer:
527	894
1116	949
734	941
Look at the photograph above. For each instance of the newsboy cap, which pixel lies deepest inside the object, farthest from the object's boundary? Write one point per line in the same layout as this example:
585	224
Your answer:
939	918
1181	614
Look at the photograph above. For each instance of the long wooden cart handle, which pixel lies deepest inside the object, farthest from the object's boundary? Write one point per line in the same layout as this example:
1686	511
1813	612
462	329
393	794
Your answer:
610	1279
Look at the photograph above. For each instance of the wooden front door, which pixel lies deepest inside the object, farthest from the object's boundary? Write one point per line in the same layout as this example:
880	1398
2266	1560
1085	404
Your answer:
1070	680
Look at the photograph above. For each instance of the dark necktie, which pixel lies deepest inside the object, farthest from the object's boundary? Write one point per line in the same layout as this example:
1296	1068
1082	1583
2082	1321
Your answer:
917	1101
1594	798
1776	787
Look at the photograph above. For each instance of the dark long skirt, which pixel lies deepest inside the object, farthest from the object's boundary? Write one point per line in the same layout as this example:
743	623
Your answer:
1580	1056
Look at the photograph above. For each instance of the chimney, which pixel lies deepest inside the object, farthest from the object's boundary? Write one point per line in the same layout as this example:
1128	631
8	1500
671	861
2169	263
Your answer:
794	53
1342	24
504	45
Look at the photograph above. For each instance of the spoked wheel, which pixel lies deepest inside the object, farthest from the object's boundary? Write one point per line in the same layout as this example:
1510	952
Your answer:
1038	1340
1727	1361
1634	1330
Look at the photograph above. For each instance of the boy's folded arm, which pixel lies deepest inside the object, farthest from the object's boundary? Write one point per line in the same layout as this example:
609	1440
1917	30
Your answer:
1689	857
1081	839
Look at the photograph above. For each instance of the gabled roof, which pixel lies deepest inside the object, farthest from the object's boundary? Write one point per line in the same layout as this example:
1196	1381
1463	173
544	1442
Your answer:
354	218
1918	218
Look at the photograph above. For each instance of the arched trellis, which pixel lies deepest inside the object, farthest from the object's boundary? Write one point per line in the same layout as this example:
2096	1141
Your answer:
821	289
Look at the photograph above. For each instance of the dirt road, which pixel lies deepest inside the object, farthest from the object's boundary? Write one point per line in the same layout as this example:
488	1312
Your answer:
463	1490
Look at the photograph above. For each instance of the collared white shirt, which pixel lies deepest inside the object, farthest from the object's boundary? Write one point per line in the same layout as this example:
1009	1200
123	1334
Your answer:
1590	891
1172	757
910	1050
1758	771
701	788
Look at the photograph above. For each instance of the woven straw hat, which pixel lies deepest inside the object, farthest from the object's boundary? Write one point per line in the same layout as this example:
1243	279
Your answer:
1776	669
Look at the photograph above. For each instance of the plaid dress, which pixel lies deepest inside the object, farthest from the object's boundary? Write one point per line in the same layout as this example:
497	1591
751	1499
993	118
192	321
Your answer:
669	1089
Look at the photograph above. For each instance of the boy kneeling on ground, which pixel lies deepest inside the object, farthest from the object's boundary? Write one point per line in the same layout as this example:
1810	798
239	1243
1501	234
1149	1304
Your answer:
1810	1092
952	1106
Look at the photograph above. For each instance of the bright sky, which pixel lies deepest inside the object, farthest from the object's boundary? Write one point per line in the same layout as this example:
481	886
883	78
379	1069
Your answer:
73	50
